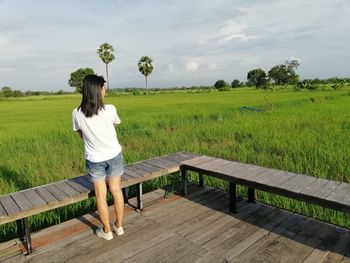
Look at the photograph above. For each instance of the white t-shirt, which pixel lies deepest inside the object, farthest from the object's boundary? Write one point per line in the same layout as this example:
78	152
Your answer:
99	134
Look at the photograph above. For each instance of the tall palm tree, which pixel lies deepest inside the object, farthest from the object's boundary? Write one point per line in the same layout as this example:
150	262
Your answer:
145	67
105	52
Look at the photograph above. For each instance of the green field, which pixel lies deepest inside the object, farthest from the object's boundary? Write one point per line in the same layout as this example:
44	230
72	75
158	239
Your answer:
304	132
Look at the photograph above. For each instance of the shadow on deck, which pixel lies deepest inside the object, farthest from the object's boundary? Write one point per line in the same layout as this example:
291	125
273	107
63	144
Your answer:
195	228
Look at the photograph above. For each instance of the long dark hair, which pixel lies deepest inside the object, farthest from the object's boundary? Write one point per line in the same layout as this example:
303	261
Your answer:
92	100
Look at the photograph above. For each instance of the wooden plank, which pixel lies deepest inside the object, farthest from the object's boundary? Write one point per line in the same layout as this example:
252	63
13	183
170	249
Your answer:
246	228
246	172
213	165
274	177
170	161
341	194
230	167
182	156
189	155
165	160
176	215
56	192
186	252
65	188
268	248
148	167
22	202
80	188
298	183
327	189
157	252
198	160
220	172
253	172
33	197
9	205
237	172
46	195
315	187
203	218
176	157
138	171
84	182
2	211
130	173
187	208
126	177
210	257
160	163
339	249
223	231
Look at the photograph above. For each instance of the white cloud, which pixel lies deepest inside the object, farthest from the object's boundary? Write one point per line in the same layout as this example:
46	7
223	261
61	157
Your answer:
8	69
170	67
232	30
212	66
191	66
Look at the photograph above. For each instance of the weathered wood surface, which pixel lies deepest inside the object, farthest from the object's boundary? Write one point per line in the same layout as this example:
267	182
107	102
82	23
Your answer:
327	193
43	198
199	228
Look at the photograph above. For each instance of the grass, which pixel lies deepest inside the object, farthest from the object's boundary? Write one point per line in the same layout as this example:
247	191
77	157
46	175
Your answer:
303	132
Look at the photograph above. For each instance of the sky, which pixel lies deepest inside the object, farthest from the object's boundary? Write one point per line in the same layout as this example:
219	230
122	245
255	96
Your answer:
191	42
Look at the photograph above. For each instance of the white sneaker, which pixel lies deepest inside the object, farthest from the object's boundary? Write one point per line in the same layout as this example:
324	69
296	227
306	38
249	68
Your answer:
100	233
118	230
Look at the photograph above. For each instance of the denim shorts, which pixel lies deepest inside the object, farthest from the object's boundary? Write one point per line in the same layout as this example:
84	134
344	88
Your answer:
98	171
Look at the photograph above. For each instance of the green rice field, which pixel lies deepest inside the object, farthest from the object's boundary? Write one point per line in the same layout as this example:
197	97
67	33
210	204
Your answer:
304	132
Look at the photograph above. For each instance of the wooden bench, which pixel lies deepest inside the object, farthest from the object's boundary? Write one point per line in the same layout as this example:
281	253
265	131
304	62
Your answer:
327	193
20	205
322	192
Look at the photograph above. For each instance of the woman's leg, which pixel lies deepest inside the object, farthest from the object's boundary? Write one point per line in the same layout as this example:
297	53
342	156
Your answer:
114	187
102	207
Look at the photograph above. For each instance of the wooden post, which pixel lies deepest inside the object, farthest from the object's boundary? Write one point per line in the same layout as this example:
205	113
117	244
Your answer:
184	181
23	230
251	195
232	195
126	194
28	238
201	179
139	196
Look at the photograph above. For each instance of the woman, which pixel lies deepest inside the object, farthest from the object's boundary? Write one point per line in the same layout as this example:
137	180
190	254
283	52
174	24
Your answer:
95	121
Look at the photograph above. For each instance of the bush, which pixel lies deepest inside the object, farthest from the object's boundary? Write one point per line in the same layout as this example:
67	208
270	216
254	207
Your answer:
226	88
236	83
220	84
7	92
305	84
17	93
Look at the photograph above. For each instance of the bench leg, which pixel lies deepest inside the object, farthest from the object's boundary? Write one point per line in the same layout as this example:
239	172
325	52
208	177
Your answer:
232	195
139	196
201	179
184	181
126	194
251	195
24	233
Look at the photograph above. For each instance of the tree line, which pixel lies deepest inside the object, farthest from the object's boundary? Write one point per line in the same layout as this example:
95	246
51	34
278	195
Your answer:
281	75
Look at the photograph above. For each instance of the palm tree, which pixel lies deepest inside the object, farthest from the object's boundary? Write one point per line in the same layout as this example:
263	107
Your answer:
105	52
145	67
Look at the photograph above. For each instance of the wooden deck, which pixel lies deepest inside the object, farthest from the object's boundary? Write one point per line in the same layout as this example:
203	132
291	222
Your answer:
194	228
